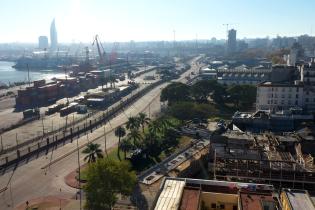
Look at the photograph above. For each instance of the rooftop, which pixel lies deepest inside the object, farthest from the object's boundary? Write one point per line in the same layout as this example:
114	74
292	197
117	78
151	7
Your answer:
257	201
299	199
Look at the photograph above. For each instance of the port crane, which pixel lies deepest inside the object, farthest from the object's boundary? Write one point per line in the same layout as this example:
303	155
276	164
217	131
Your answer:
99	49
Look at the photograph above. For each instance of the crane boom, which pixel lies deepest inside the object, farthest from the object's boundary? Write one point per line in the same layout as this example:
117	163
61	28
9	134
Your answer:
99	50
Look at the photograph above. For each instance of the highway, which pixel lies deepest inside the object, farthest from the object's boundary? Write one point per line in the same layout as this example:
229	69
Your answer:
39	178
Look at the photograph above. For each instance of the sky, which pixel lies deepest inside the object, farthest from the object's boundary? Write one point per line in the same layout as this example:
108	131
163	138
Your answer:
153	20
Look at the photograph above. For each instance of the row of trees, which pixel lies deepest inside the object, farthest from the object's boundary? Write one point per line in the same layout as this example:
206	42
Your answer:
146	141
107	177
204	91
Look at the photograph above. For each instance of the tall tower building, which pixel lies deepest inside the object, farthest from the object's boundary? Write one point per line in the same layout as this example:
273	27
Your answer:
231	42
43	42
53	36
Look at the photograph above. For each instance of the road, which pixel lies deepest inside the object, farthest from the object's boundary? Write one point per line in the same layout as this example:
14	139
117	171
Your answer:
31	181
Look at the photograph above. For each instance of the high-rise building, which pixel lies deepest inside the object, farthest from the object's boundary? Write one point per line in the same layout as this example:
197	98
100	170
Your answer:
231	42
53	36
43	42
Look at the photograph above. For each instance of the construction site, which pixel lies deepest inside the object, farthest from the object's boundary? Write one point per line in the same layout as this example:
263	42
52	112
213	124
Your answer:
283	161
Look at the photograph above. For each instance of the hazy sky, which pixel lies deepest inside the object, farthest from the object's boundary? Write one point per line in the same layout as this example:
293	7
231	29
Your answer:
141	20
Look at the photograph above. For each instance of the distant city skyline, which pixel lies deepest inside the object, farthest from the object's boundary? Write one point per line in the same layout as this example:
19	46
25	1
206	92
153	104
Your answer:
145	20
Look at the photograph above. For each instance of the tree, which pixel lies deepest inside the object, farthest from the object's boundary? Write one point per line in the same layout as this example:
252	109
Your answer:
119	132
175	92
133	123
189	110
219	93
202	89
105	179
154	128
93	152
165	124
170	138
243	96
143	120
126	146
135	135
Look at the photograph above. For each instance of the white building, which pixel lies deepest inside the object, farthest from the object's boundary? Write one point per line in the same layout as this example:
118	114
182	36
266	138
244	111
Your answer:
207	73
281	96
278	96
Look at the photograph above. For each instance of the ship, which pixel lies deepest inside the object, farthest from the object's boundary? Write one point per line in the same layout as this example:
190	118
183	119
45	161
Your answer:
42	60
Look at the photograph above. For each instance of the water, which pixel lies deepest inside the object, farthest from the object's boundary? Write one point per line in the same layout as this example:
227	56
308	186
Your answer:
8	74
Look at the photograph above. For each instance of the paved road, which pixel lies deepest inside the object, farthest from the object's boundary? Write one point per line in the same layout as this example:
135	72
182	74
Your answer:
31	181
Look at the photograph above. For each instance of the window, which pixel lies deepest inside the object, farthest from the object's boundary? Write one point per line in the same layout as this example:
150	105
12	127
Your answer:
290	89
297	96
289	96
306	100
282	102
213	205
282	96
283	89
297	89
296	102
307	92
234	207
275	101
222	206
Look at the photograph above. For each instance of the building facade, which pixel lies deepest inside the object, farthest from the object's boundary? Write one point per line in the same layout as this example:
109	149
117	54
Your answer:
279	96
242	75
43	42
53	36
231	42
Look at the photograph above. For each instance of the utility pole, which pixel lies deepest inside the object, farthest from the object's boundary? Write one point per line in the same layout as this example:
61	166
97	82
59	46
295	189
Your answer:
214	164
79	170
105	140
28	75
43	126
1	143
16	139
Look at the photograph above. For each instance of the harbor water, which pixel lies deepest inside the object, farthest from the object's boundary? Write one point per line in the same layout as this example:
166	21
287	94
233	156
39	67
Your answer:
8	74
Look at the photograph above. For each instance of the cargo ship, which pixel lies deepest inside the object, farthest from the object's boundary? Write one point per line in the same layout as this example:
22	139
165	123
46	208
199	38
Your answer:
38	63
43	60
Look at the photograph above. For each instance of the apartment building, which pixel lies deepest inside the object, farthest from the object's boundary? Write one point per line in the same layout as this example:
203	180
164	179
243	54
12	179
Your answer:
279	96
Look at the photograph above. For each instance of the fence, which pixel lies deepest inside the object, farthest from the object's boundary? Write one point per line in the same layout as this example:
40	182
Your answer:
41	144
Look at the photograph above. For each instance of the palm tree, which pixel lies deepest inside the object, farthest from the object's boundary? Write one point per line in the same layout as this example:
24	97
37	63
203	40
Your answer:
93	152
135	135
126	146
143	120
154	128
119	132
133	123
165	124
